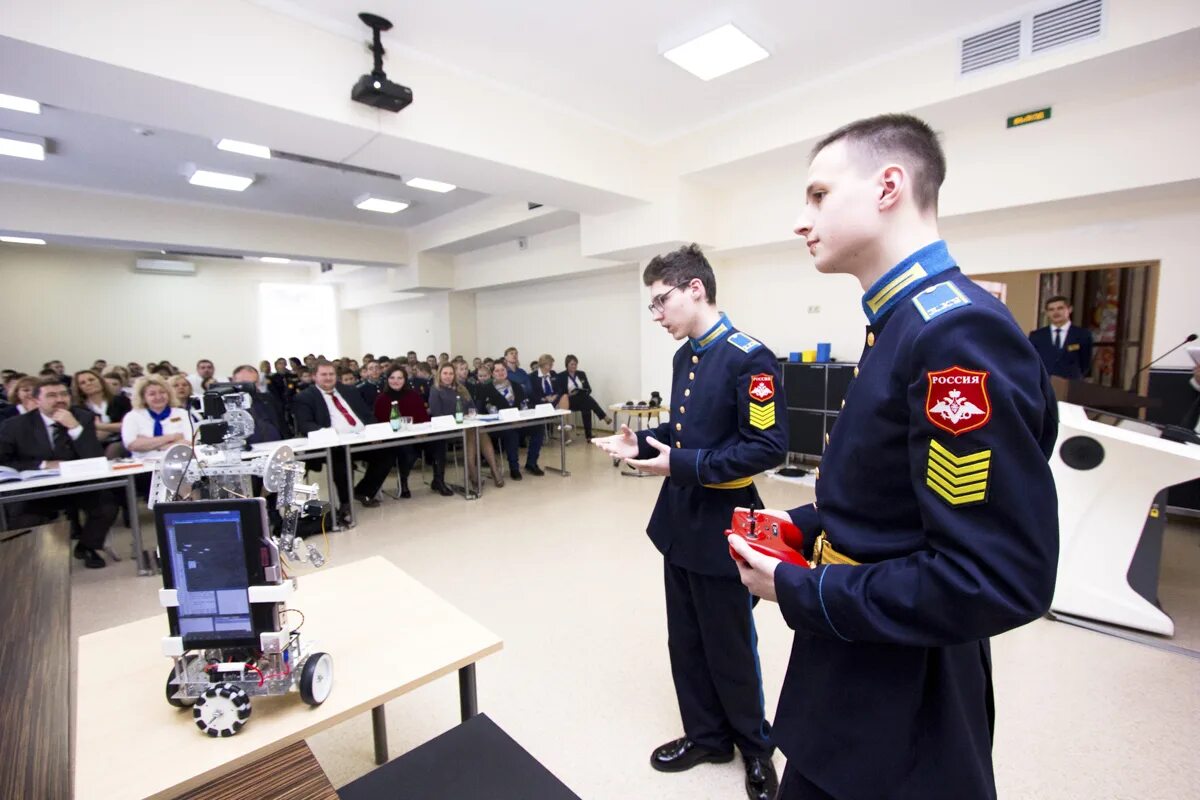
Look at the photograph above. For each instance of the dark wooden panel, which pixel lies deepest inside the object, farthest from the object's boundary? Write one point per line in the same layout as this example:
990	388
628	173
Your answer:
290	774
35	663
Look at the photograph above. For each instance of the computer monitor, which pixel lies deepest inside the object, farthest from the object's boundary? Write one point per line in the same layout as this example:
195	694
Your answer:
212	551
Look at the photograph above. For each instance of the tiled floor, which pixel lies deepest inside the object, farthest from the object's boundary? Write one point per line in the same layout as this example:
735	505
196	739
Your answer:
562	570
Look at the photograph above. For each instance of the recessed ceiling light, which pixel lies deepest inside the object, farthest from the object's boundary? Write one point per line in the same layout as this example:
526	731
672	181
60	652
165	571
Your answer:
430	186
717	53
20	146
275	260
21	240
369	203
218	180
245	148
14	103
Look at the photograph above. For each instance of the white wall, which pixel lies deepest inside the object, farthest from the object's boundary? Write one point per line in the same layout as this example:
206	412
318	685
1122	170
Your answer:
78	305
421	324
594	317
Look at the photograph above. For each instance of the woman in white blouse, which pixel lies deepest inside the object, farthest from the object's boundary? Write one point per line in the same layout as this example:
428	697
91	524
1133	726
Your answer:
154	424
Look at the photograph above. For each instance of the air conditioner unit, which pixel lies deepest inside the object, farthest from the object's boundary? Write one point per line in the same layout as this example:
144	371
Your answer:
160	266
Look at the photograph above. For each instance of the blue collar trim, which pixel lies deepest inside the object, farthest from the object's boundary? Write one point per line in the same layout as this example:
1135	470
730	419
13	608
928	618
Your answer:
712	335
897	284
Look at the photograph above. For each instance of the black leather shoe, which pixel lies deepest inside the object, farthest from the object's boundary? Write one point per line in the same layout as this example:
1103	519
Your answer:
91	559
368	502
534	470
683	754
761	781
442	489
343	517
515	474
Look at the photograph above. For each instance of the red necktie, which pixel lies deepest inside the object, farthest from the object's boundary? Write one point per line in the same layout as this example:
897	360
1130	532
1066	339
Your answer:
337	402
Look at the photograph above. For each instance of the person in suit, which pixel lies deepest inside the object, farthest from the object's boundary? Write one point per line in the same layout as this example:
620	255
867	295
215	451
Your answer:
264	407
573	384
1065	349
328	404
503	393
43	438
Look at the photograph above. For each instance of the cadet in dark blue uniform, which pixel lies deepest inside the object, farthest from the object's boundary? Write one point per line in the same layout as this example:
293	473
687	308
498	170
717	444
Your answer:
727	424
935	524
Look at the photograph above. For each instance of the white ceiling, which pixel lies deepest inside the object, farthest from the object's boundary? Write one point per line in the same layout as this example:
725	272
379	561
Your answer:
97	152
602	59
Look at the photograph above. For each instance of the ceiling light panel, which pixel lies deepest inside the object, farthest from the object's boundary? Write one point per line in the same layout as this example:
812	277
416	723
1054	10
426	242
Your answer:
717	53
20	146
219	180
14	103
430	186
21	240
245	148
275	260
382	205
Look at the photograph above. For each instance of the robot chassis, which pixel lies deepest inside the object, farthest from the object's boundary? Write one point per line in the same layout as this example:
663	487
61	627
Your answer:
217	683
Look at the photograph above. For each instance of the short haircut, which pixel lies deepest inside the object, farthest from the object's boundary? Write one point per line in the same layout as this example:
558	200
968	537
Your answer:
1058	298
241	367
320	364
680	267
570	357
204	361
899	137
44	382
544	359
508	350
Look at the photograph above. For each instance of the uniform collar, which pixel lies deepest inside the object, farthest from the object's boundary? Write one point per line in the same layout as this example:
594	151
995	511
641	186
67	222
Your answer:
897	284
713	335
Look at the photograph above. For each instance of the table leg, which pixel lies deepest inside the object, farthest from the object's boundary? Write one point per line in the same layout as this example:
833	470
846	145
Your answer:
479	463
135	527
467	698
465	472
350	486
379	728
332	488
562	447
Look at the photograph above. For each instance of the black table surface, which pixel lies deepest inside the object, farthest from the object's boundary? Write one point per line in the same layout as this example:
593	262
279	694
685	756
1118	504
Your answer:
473	761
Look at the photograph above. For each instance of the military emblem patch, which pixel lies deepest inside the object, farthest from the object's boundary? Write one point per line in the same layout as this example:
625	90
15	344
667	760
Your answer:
743	342
762	387
762	416
938	299
957	400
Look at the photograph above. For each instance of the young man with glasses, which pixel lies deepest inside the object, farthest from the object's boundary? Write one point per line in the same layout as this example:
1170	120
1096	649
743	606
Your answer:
728	423
935	524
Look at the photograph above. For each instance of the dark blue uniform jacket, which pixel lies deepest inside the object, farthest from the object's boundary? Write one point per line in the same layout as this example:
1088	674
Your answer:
720	435
936	480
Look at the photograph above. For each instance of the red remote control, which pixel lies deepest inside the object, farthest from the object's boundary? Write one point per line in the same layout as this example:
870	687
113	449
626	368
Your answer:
771	533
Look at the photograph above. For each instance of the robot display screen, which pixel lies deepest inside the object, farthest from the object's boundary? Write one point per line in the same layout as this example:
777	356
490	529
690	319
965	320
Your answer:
211	578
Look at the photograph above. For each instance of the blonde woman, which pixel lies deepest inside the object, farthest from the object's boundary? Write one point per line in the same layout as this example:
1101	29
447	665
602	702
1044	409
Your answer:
154	424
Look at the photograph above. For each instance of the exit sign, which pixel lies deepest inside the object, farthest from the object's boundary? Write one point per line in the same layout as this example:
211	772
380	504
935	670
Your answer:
1029	118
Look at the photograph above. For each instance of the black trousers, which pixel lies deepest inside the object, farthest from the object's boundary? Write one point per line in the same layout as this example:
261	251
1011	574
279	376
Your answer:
586	405
794	786
99	511
379	464
434	453
714	662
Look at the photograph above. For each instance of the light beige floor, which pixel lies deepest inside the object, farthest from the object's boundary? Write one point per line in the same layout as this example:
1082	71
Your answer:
562	570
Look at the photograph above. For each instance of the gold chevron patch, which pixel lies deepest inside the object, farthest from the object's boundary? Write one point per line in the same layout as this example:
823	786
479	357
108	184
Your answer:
959	480
762	416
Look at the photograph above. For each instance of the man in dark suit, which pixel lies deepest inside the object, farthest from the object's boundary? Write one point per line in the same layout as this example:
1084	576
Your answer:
52	434
328	404
1065	349
264	407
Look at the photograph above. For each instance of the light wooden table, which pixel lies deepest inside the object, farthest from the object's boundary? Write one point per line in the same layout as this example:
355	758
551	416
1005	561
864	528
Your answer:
387	634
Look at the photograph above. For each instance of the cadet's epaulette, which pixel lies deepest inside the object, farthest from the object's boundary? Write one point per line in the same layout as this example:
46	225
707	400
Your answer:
743	342
938	299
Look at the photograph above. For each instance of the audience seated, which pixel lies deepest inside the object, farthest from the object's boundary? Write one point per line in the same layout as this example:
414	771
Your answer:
90	391
462	374
181	395
503	393
444	400
408	403
369	385
512	365
154	424
340	406
205	371
42	438
264	407
574	384
19	392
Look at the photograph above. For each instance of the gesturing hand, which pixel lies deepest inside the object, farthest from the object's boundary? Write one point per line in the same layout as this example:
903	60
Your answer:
659	465
619	445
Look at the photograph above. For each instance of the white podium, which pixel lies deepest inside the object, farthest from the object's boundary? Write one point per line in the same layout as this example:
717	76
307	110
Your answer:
1102	510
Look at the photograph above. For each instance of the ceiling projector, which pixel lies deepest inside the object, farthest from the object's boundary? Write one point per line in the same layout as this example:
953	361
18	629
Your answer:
375	89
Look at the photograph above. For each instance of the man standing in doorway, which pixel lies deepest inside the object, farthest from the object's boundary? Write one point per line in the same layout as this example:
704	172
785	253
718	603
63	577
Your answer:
728	423
1065	349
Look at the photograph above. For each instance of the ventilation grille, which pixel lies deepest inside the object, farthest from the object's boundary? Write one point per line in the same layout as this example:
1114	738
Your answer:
1065	24
989	48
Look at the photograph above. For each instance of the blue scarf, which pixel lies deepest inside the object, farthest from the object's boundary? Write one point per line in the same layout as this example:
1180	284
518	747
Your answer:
158	419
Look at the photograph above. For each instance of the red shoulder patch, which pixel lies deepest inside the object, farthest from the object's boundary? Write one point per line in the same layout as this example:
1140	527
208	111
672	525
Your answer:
762	387
957	400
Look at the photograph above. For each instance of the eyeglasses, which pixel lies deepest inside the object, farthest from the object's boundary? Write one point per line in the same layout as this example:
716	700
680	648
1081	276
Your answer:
657	303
